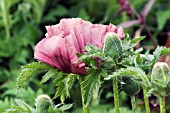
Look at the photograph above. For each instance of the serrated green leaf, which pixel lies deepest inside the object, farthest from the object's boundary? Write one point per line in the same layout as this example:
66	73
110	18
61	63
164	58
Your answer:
138	75
37	65
31	70
112	45
90	55
90	84
47	76
127	43
64	84
25	77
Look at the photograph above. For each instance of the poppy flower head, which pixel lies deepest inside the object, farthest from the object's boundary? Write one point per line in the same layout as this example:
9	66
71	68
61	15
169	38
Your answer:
64	40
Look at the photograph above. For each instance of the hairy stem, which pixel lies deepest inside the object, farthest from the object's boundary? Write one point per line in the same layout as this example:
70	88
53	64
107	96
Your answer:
116	95
95	99
85	108
162	104
5	17
133	102
146	100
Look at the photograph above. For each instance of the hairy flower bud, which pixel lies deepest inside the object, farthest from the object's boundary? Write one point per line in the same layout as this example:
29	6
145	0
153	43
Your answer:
112	45
160	79
43	102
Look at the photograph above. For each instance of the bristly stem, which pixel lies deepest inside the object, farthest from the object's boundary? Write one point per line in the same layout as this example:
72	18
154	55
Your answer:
146	100
116	95
85	108
133	102
162	104
5	17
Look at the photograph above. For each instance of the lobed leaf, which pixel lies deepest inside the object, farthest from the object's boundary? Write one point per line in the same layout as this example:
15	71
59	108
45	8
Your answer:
47	76
37	65
89	85
64	84
25	77
31	70
138	75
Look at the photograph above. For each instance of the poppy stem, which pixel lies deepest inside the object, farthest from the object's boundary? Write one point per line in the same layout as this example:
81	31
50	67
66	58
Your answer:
133	102
85	108
116	95
5	17
162	104
146	100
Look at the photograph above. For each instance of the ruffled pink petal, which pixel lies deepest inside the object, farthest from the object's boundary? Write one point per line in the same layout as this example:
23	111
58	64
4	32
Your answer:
67	25
120	33
53	49
75	68
54	30
96	34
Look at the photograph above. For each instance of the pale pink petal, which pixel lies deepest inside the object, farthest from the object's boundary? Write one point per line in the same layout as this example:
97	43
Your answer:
51	48
67	25
73	56
97	32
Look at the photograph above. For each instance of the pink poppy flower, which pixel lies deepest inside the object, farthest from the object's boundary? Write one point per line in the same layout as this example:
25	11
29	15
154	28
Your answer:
69	37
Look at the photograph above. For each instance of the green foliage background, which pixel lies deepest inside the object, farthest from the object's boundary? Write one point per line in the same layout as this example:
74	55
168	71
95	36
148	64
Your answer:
22	25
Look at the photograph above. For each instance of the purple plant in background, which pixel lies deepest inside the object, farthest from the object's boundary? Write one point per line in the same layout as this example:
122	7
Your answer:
141	18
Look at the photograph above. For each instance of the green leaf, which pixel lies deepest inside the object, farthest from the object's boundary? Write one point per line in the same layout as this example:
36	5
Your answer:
58	11
29	71
127	43
37	65
65	107
47	76
25	77
83	14
112	45
89	84
139	75
90	55
64	84
21	106
158	52
162	17
136	40
165	51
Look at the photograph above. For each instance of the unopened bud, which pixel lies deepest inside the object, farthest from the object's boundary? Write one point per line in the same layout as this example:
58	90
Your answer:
130	87
112	45
160	79
43	102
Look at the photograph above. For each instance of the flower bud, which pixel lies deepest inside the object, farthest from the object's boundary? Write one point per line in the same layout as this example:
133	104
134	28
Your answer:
43	102
130	87
112	45
160	79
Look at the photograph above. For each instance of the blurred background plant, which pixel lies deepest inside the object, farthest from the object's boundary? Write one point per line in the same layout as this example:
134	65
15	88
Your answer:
22	25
